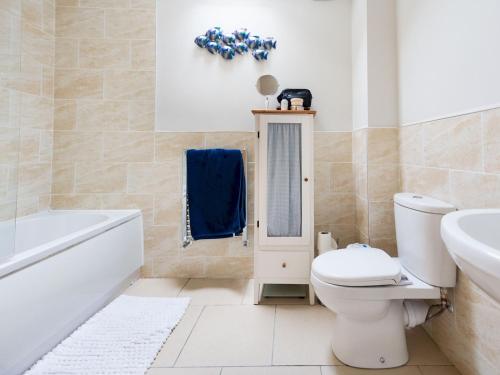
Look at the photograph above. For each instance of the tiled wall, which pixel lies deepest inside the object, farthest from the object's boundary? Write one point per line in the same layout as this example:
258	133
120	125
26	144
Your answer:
107	154
376	176
458	160
26	105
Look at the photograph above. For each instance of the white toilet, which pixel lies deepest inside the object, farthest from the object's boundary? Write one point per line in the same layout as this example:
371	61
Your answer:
364	286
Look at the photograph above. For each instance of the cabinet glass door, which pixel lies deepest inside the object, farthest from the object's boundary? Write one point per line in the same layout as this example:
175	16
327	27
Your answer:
284	180
284	185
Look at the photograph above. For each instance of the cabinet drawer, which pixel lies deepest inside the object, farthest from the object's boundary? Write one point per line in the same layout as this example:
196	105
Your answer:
283	264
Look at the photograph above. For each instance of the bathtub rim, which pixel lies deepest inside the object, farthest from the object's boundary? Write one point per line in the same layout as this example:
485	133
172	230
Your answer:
37	254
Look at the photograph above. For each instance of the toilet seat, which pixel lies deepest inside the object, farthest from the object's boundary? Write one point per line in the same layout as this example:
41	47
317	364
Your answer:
416	290
357	267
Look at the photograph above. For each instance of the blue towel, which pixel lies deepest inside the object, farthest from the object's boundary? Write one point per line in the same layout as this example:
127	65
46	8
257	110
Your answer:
216	192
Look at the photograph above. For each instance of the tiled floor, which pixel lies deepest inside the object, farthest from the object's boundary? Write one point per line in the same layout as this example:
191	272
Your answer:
223	333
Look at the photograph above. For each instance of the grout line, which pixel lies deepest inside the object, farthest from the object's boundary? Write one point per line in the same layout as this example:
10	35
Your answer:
190	333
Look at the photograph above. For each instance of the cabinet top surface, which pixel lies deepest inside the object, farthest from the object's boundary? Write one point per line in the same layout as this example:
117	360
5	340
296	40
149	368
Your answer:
280	112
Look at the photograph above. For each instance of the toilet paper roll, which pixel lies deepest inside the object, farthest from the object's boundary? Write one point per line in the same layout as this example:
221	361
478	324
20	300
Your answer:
325	242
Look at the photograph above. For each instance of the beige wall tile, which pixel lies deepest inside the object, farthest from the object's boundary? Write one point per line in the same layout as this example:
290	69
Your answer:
411	146
323	181
210	248
362	216
491	141
333	146
143	202
143	54
79	22
229	267
66	53
128	146
102	115
100	177
34	179
389	245
465	143
171	146
48	79
129	85
383	145
132	24
36	112
382	220
167	209
30	145
383	182
334	208
342	177
49	16
359	145
142	115
236	140
38	44
77	146
46	146
64	114
76	201
146	4
436	145
474	190
162	241
63	178
150	178
427	181
171	266
104	3
9	144
27	80
104	53
361	180
66	3
31	12
73	84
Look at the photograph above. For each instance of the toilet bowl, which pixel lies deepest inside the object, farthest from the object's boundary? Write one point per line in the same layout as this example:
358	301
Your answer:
364	287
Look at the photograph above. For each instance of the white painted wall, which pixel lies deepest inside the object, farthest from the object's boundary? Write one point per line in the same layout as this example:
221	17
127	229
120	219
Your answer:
382	64
359	64
449	57
200	92
374	64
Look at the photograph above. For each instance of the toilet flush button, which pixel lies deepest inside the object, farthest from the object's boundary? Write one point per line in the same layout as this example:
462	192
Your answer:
381	360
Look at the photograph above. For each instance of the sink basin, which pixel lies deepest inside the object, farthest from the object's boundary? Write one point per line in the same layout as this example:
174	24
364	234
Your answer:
473	240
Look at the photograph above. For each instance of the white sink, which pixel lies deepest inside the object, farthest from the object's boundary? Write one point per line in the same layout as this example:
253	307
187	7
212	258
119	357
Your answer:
473	240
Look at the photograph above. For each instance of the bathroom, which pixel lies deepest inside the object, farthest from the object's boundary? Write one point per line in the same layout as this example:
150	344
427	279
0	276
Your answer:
99	103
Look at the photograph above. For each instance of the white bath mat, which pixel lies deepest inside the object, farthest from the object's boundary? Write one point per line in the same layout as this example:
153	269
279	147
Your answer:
121	339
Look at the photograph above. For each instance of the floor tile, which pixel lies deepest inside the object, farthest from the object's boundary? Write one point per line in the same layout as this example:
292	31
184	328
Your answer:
423	350
230	336
345	370
438	370
174	344
184	371
274	370
303	336
215	291
156	287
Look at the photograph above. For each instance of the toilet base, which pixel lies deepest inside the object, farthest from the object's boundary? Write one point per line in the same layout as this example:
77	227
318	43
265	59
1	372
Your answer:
372	343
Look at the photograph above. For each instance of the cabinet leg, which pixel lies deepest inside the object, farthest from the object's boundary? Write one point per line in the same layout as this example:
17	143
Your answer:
256	292
312	297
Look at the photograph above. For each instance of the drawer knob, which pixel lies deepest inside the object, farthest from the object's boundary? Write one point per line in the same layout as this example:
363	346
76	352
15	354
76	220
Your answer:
306	179
283	265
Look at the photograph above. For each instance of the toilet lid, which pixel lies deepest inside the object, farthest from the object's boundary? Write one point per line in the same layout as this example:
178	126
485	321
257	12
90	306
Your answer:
357	267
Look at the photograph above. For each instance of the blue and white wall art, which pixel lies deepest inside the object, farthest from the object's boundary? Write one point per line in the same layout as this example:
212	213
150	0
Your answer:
239	42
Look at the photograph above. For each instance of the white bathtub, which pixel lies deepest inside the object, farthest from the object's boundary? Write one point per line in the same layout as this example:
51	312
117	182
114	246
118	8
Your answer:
67	265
